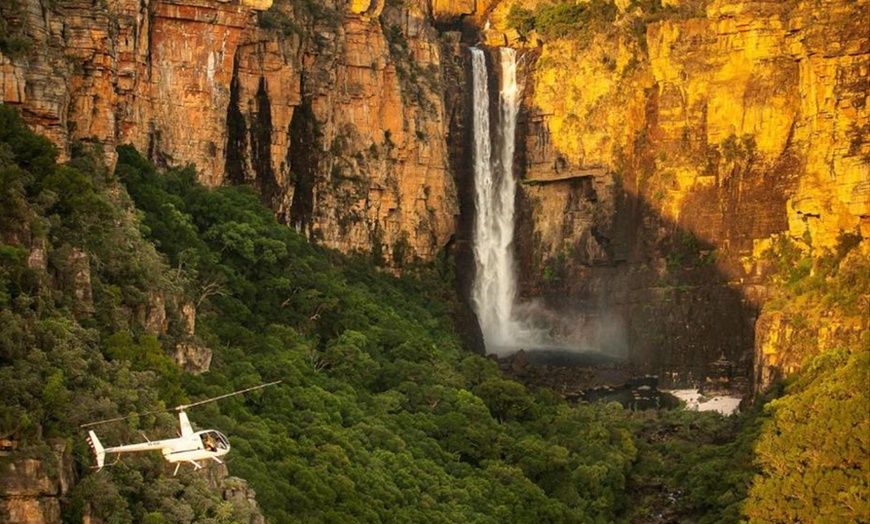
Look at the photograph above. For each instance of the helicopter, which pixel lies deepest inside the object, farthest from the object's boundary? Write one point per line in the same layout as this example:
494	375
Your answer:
189	447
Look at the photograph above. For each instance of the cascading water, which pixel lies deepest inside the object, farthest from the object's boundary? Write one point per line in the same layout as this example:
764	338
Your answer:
508	325
495	279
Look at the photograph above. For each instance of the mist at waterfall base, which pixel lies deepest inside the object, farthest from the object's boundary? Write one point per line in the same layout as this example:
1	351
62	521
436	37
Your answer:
507	326
600	337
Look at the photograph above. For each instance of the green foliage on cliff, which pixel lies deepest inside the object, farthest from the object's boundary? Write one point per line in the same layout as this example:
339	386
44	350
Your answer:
14	43
299	18
581	21
816	292
76	277
562	19
802	454
813	451
418	83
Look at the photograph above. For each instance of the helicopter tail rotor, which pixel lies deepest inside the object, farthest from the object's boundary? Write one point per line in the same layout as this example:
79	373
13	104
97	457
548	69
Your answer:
97	448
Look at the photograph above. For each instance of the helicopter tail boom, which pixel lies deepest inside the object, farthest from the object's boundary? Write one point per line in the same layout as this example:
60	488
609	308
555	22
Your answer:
97	448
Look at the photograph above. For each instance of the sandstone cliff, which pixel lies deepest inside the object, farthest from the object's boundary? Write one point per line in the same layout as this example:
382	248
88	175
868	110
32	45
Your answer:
662	152
32	484
332	110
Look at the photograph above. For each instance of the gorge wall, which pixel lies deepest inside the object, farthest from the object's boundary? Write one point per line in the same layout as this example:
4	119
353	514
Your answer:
666	148
334	112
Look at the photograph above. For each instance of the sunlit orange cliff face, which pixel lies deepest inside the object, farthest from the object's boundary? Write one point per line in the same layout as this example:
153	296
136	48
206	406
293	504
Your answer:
662	159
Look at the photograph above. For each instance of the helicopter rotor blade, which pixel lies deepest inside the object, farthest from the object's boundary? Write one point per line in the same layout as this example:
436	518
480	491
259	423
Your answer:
177	408
239	392
117	419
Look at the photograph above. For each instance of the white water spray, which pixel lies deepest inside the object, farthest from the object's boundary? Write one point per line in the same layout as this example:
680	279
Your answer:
495	279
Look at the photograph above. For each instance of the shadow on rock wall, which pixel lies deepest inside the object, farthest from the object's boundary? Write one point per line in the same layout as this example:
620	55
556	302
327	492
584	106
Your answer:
666	277
610	259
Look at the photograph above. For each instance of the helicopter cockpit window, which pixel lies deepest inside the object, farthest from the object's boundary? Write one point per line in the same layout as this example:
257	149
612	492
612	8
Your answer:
214	441
221	441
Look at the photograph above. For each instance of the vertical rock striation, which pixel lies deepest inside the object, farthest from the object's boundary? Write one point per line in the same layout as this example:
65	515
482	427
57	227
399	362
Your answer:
333	112
656	164
373	164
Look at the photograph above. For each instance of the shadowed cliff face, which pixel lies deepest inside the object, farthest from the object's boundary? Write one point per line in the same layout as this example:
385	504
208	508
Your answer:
303	161
624	279
33	486
638	286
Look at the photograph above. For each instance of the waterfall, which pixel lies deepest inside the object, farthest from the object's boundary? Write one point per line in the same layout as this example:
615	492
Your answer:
495	278
509	325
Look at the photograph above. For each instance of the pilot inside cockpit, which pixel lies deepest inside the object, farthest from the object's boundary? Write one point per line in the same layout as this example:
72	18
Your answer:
208	442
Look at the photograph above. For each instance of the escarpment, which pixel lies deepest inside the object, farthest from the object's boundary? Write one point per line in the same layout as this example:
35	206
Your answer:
664	150
332	111
693	198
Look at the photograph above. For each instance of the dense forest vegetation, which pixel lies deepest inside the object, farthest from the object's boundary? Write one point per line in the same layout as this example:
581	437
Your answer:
381	416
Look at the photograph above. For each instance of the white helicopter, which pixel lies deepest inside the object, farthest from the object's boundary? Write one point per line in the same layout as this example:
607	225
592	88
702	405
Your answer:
190	447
